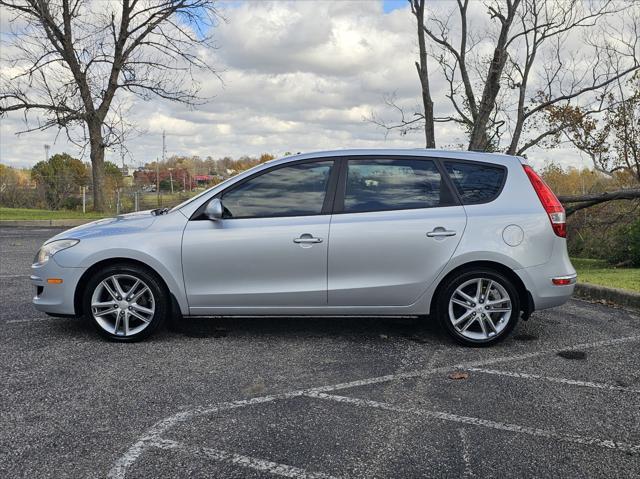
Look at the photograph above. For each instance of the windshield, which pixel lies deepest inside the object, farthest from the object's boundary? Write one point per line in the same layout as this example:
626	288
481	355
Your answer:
186	202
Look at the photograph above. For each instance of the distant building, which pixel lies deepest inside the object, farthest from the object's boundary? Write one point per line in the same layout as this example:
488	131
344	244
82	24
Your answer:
202	180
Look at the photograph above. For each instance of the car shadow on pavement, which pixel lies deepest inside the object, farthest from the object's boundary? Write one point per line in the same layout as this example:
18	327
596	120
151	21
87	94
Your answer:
416	329
354	329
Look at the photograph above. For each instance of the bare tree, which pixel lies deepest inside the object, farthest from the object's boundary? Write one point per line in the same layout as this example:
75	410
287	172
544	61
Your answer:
69	59
610	139
543	54
565	78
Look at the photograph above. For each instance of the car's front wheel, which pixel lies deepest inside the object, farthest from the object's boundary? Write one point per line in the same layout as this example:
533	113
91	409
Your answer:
478	307
125	302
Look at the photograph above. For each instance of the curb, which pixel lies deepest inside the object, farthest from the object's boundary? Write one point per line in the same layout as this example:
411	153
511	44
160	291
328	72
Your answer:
617	296
57	223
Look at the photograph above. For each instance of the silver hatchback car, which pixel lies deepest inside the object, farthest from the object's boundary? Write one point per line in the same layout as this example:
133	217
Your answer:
475	240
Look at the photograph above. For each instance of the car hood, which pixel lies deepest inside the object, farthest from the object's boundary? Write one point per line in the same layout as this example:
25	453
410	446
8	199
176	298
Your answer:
121	224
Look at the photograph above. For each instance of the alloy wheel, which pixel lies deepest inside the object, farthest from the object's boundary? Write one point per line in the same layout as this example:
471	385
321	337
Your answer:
480	309
122	305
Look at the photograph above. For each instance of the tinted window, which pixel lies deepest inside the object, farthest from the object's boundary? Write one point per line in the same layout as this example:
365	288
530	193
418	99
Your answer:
378	185
476	183
296	190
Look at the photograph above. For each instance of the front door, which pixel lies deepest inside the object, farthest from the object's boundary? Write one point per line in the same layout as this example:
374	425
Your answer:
270	248
396	226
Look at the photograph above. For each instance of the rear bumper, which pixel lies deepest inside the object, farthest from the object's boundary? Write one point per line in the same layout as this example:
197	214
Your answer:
539	279
55	298
539	282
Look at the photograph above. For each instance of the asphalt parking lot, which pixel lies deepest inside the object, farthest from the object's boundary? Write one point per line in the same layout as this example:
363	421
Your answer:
313	398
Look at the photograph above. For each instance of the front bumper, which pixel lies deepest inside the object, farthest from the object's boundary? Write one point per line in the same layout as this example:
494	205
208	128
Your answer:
51	297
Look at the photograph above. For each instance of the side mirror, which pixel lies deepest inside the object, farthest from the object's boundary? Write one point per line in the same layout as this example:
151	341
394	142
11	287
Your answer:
214	210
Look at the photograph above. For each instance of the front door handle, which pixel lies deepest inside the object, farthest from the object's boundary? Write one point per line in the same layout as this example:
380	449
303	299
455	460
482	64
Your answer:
307	239
440	232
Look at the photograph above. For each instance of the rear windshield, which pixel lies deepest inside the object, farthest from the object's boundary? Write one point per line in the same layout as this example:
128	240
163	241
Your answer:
476	182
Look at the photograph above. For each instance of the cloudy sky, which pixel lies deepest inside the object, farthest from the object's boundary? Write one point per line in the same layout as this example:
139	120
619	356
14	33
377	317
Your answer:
296	76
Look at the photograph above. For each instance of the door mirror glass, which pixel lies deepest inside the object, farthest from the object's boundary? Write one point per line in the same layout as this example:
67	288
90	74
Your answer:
214	210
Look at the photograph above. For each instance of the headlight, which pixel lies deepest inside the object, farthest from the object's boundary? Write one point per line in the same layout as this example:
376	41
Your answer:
49	249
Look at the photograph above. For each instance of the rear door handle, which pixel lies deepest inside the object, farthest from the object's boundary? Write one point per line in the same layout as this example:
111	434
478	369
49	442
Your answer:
440	232
307	239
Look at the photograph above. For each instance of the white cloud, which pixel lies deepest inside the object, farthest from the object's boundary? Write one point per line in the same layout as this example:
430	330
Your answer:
297	76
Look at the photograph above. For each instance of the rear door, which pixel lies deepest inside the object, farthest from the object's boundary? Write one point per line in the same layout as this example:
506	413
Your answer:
395	226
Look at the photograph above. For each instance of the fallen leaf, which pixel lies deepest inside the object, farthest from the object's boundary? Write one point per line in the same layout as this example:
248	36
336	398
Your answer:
458	375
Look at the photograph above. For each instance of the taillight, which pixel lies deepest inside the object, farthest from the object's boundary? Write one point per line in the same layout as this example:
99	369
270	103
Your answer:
550	203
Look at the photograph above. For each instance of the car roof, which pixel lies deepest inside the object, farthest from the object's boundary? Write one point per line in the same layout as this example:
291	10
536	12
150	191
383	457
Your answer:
426	152
497	158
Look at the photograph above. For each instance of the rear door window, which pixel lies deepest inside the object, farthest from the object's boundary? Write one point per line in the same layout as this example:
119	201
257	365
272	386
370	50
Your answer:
476	182
394	184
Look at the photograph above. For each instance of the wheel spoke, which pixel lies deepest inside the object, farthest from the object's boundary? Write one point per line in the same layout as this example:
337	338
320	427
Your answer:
116	283
500	310
133	312
497	301
106	311
138	294
110	290
464	304
117	324
483	326
103	304
462	318
126	323
491	324
132	289
142	309
465	295
478	288
469	323
488	290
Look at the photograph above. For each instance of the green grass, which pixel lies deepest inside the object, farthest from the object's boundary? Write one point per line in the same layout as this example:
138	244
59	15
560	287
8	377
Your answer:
596	271
32	214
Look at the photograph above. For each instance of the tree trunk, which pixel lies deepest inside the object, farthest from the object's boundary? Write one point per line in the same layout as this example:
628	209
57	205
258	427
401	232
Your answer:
97	166
580	202
423	74
480	140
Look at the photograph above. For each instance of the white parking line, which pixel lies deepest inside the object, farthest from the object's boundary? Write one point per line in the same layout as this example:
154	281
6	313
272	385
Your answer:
254	463
28	320
119	469
2	276
475	421
572	382
466	454
122	464
482	362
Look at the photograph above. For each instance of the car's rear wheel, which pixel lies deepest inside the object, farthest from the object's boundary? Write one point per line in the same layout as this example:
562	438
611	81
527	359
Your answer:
125	302
478	307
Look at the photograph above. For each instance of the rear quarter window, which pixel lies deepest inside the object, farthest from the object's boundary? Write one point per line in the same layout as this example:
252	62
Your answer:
476	182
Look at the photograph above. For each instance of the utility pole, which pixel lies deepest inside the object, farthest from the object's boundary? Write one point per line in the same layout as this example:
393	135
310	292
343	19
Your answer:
46	151
158	179
164	145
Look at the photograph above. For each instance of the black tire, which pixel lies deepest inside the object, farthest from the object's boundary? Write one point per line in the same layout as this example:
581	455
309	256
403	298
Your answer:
448	290
150	279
